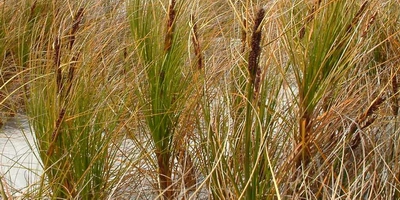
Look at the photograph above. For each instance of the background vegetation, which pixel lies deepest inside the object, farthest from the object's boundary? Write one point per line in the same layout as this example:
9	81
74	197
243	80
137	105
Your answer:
212	99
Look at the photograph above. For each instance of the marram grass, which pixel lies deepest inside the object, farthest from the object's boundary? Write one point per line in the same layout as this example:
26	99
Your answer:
175	99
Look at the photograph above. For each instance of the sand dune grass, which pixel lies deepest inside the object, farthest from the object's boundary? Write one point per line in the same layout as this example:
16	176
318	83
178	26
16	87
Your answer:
206	99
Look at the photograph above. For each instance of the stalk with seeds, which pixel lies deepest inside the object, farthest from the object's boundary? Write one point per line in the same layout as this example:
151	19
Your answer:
196	44
251	146
163	64
71	113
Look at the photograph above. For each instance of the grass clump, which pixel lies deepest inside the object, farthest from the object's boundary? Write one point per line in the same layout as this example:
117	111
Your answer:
71	109
205	99
161	53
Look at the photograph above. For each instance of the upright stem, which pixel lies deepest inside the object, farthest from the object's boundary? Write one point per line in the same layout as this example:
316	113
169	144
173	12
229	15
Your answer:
248	143
164	154
304	136
252	90
164	174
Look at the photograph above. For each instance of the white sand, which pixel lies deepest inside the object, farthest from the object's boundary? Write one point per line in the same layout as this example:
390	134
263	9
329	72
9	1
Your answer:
19	166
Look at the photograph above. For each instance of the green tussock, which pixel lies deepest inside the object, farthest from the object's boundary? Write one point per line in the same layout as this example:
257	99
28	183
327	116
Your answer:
174	99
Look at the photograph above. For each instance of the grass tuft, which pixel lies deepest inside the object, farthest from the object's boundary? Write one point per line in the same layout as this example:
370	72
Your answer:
170	99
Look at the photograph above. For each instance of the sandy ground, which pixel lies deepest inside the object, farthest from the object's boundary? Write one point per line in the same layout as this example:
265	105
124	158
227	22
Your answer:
19	166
